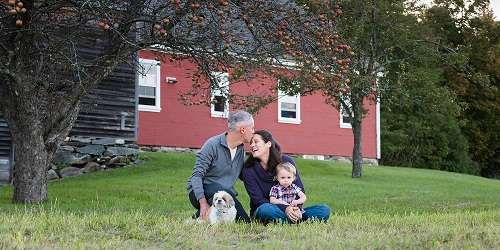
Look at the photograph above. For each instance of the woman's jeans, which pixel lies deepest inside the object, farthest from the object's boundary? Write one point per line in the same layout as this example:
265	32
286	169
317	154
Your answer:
268	212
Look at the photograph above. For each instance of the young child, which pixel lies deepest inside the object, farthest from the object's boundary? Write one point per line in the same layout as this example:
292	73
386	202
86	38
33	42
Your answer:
286	192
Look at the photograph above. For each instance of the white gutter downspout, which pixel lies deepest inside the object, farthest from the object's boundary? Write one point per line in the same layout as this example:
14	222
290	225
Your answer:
377	121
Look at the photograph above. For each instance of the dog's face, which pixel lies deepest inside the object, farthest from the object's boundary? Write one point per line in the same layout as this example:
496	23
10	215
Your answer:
222	200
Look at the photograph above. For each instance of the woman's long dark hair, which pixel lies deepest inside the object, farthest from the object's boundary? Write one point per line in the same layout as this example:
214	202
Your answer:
274	152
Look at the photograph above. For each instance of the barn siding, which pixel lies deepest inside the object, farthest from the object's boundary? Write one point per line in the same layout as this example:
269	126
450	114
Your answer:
319	132
104	108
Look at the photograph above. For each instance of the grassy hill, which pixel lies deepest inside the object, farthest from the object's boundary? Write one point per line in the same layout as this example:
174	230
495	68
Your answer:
147	206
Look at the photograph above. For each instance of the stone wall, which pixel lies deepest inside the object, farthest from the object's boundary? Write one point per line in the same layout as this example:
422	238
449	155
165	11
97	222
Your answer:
80	155
341	159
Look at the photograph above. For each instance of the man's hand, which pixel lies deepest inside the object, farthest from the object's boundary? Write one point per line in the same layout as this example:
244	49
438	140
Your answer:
293	213
295	203
204	208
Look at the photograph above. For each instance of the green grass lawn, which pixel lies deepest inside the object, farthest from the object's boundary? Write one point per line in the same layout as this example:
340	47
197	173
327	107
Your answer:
146	207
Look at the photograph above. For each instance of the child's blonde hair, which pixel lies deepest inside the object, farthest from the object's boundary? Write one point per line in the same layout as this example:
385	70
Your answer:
287	166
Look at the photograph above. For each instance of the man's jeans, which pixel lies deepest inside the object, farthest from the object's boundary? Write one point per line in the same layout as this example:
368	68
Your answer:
268	212
210	190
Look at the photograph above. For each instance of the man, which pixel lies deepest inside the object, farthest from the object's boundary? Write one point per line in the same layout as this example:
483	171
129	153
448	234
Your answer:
219	163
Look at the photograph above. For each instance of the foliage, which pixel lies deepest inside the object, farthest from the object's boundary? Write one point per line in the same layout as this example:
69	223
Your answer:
472	72
420	118
147	207
377	33
422	127
442	112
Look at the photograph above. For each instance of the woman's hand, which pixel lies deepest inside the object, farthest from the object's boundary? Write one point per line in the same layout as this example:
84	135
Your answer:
293	213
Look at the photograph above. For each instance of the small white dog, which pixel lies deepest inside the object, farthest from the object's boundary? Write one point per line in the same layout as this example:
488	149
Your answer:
222	209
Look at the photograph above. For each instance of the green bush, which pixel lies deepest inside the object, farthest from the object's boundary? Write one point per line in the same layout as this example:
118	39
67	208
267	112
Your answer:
421	127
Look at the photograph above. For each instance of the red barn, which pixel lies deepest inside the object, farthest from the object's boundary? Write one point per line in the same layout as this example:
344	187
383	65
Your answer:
303	125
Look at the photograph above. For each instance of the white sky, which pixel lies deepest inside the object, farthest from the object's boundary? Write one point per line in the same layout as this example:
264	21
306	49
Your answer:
494	4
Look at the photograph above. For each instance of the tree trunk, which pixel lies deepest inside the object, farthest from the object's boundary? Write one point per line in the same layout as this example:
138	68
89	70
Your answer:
36	134
31	162
357	156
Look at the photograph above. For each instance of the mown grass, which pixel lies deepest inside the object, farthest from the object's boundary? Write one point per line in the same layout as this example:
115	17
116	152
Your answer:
146	207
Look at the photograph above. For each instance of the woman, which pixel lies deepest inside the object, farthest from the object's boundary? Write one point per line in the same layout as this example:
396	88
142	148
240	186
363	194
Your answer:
258	177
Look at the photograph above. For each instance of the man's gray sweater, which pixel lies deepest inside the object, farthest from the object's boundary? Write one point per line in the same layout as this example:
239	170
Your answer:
214	165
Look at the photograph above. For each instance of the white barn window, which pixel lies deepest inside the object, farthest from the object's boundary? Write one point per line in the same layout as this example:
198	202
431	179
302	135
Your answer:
345	120
288	108
220	105
149	85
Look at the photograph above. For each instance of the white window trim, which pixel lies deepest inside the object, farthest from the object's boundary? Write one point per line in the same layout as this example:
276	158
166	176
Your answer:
157	107
282	97
224	85
341	121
